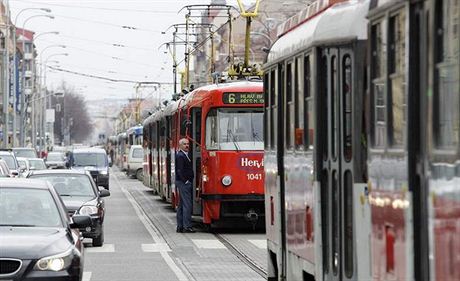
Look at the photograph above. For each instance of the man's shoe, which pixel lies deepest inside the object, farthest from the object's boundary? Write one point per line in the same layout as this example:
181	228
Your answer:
189	230
179	230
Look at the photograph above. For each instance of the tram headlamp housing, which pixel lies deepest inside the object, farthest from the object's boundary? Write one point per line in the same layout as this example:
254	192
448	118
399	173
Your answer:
227	180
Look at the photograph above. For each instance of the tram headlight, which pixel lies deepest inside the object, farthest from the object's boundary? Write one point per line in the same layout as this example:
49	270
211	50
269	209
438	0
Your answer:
227	180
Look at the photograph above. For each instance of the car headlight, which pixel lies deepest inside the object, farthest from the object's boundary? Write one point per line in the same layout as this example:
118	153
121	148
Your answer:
104	173
88	210
227	180
55	263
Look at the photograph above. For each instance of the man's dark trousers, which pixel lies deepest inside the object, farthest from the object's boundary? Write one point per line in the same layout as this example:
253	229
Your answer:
184	210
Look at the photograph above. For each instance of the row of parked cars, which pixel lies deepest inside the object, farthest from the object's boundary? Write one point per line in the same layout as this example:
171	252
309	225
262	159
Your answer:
44	214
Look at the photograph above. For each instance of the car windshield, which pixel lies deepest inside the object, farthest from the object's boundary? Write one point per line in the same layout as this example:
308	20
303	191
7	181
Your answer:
55	157
69	184
138	153
26	153
9	159
89	159
235	129
22	163
28	208
37	164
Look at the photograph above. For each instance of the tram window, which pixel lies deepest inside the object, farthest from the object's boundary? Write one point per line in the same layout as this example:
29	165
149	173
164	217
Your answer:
378	56
299	106
272	105
211	130
335	223
289	108
324	111
267	109
397	70
348	216
333	106
347	91
446	123
308	107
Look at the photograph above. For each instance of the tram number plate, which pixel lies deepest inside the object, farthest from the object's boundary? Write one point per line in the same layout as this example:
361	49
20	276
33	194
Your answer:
243	98
253	177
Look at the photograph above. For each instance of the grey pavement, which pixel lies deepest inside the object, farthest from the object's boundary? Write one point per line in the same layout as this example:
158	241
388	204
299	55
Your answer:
123	256
197	256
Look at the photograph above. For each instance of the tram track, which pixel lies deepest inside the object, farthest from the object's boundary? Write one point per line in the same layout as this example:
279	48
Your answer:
241	255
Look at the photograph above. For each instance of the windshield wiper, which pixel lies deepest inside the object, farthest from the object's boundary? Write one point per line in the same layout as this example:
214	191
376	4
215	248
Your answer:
230	133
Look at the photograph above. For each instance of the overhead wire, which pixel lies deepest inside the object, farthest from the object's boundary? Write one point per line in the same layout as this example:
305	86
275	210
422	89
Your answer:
98	8
103	77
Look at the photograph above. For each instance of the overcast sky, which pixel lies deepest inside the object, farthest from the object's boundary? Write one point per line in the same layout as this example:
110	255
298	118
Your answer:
89	28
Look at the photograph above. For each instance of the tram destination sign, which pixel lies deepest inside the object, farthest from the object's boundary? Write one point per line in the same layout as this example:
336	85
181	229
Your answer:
242	98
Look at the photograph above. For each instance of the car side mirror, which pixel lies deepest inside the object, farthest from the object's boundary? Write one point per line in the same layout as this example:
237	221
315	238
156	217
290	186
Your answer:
81	221
104	193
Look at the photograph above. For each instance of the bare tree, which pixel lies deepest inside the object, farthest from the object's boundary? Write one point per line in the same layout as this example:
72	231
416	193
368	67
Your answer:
73	123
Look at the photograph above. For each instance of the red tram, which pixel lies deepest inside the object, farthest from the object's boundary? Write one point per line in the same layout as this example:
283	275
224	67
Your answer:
362	142
224	123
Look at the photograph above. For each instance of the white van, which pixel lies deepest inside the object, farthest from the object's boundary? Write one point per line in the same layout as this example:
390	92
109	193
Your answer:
135	159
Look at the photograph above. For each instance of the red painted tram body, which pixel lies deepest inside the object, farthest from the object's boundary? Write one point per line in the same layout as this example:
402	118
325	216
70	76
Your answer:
362	142
224	124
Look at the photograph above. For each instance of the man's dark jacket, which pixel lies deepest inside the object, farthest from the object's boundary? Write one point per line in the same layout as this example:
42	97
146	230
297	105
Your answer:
184	168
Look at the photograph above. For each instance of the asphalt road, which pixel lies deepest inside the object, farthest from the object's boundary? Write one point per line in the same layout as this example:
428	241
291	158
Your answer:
141	243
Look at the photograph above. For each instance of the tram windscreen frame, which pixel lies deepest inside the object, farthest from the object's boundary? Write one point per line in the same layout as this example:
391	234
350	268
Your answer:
235	129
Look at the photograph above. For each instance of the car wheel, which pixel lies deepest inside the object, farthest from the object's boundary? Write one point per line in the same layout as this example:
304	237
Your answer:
99	240
140	175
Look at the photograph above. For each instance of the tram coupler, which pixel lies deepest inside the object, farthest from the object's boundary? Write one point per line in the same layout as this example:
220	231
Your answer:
252	216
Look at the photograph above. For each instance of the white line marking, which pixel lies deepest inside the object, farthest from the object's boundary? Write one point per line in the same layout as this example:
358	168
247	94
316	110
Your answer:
86	276
208	244
155	248
259	243
151	229
106	248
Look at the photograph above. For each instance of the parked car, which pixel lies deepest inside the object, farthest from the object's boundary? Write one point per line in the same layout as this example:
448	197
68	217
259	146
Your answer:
38	241
11	161
56	160
81	196
36	164
135	159
4	169
23	164
95	161
25	152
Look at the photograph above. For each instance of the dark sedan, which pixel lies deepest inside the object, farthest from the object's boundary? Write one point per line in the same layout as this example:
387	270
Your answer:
37	240
81	196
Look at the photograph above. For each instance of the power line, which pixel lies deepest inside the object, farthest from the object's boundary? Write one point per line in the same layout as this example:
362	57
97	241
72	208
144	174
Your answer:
102	9
104	78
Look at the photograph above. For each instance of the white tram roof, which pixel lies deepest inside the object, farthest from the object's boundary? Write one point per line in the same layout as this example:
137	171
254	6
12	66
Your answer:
342	21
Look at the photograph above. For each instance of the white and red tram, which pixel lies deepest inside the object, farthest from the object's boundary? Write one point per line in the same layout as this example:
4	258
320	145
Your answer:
362	142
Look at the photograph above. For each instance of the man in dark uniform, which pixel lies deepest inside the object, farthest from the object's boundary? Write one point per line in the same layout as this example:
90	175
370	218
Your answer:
184	178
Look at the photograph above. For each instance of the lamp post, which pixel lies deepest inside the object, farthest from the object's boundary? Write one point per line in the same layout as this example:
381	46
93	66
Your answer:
25	62
15	67
33	105
45	101
43	84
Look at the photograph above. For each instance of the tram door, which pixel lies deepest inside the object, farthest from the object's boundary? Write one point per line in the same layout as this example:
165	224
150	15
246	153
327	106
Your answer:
337	134
196	157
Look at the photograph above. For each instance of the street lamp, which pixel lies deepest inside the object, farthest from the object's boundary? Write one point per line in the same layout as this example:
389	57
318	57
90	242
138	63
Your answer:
15	68
43	131
22	130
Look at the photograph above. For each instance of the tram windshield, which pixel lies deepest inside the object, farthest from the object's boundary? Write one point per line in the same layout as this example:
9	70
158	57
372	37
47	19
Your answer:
235	129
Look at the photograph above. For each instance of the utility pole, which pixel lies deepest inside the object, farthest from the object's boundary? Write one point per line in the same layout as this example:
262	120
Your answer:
6	78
